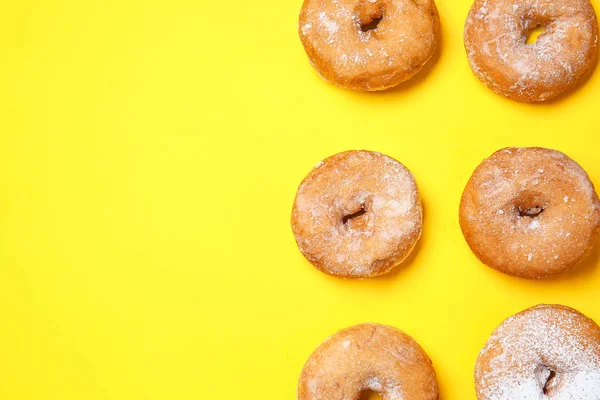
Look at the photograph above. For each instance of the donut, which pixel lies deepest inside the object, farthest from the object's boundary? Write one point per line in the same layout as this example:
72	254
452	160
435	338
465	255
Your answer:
368	45
530	212
545	352
495	38
368	357
357	214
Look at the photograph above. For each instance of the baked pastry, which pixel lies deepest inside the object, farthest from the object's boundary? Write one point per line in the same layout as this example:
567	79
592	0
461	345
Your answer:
530	212
545	352
369	44
357	214
495	38
368	357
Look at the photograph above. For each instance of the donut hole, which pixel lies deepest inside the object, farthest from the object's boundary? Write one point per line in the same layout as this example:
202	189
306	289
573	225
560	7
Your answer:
532	33
531	212
370	26
547	379
369	15
348	217
369	395
529	204
550	383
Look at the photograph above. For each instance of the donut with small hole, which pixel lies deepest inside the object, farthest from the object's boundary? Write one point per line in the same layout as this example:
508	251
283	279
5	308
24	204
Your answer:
545	352
369	45
357	214
530	212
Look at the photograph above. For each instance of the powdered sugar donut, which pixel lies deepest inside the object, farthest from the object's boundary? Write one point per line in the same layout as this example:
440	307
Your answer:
545	352
368	357
357	214
530	212
369	44
496	42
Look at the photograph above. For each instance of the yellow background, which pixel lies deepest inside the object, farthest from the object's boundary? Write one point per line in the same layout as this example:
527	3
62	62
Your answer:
149	156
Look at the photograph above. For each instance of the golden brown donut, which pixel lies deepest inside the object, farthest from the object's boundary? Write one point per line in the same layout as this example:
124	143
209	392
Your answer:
548	352
495	38
368	44
357	214
530	212
368	357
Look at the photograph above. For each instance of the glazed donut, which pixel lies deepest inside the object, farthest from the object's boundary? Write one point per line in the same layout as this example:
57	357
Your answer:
357	214
368	357
545	352
495	38
530	212
368	44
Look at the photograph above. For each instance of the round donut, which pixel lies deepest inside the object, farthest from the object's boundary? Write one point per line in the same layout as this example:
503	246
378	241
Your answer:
368	357
495	38
357	214
368	45
545	352
530	212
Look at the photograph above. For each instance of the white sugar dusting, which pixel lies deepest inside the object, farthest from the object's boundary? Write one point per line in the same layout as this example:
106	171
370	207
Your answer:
331	26
312	386
306	28
392	392
395	208
535	224
524	351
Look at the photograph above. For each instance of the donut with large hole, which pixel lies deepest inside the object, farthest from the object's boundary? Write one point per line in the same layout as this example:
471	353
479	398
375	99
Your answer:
496	33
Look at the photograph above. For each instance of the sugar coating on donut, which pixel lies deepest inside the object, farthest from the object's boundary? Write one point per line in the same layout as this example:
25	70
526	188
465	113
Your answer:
496	42
372	357
543	353
347	54
530	212
357	214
